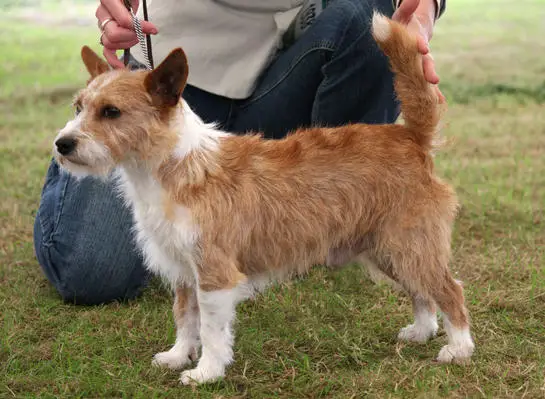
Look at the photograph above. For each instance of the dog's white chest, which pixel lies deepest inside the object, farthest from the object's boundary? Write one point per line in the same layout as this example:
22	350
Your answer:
167	241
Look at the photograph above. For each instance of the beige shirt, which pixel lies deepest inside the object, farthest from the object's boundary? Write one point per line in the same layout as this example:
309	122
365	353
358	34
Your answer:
228	42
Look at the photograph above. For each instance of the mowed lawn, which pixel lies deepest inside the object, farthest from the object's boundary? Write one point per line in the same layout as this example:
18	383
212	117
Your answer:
334	333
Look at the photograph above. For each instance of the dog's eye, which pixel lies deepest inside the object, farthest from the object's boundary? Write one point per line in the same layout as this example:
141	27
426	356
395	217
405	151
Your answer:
78	109
110	111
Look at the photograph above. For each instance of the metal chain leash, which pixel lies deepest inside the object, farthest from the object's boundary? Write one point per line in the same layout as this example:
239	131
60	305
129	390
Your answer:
143	40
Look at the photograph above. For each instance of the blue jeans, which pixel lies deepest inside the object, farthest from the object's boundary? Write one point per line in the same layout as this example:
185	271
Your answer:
334	74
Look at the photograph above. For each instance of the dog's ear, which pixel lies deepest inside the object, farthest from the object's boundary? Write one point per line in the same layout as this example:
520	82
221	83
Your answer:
94	64
166	83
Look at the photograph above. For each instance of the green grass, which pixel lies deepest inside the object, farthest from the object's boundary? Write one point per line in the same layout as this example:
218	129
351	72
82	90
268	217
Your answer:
332	334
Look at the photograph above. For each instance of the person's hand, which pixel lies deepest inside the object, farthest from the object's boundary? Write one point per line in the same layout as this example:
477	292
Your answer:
419	16
118	33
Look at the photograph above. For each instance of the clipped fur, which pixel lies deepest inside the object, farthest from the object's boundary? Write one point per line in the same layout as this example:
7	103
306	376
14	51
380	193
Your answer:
220	216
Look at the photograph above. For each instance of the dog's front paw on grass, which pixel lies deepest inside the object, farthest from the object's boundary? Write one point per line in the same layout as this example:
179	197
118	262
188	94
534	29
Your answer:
200	375
174	359
416	333
459	354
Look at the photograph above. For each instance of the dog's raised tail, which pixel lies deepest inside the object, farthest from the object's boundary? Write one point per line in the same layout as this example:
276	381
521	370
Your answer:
419	102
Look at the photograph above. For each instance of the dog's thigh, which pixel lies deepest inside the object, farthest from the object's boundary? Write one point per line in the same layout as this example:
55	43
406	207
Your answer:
347	252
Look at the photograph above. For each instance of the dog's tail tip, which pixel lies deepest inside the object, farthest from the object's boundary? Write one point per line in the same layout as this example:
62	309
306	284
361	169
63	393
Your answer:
381	27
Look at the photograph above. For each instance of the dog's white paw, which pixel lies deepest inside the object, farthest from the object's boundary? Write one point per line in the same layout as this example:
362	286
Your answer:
417	333
174	359
456	353
200	375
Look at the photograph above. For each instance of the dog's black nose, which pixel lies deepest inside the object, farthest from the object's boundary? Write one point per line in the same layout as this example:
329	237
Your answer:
65	145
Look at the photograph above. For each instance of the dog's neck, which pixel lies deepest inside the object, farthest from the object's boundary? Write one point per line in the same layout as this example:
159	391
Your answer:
194	135
189	161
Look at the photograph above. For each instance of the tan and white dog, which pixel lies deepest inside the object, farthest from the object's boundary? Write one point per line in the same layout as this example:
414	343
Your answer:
220	216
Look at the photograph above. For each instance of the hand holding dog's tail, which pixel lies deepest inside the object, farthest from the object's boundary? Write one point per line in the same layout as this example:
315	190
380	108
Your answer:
419	101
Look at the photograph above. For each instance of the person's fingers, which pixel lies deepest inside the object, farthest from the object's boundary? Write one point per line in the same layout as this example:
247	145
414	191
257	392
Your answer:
116	37
405	11
115	34
117	10
440	97
118	45
111	58
102	14
148	28
135	4
112	31
429	69
422	44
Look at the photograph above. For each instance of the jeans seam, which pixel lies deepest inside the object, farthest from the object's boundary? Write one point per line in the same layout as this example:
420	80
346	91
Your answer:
229	114
326	77
45	251
56	222
324	45
353	15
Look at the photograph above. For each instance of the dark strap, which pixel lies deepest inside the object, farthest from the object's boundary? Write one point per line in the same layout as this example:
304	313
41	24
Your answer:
148	37
127	51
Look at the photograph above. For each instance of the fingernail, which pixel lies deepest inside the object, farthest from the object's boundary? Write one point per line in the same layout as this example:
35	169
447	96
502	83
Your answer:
154	31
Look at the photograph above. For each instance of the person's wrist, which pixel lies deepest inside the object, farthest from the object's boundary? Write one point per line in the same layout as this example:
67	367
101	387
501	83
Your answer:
425	13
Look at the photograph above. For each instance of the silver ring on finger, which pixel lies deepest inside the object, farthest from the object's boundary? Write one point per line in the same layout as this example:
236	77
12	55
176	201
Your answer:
100	40
103	24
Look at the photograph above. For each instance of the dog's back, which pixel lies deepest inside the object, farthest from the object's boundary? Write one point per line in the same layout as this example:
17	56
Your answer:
288	204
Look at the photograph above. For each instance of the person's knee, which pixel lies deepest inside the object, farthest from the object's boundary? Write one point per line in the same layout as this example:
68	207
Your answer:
83	241
84	284
76	291
87	278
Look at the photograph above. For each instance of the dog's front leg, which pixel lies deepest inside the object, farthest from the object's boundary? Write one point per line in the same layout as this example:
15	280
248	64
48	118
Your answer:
217	310
186	317
220	287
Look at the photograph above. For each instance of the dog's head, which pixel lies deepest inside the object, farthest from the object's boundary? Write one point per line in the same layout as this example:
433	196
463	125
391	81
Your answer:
121	115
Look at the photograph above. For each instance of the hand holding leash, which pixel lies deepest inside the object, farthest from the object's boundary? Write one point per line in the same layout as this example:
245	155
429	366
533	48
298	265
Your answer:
115	22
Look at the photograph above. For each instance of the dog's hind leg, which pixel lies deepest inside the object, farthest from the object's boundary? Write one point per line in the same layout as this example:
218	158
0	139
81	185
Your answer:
186	317
450	298
425	321
417	258
425	313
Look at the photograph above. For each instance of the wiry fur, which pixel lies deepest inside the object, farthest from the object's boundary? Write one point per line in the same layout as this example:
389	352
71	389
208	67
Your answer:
219	215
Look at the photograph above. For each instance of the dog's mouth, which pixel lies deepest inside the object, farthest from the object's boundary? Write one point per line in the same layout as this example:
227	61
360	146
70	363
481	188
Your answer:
70	158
